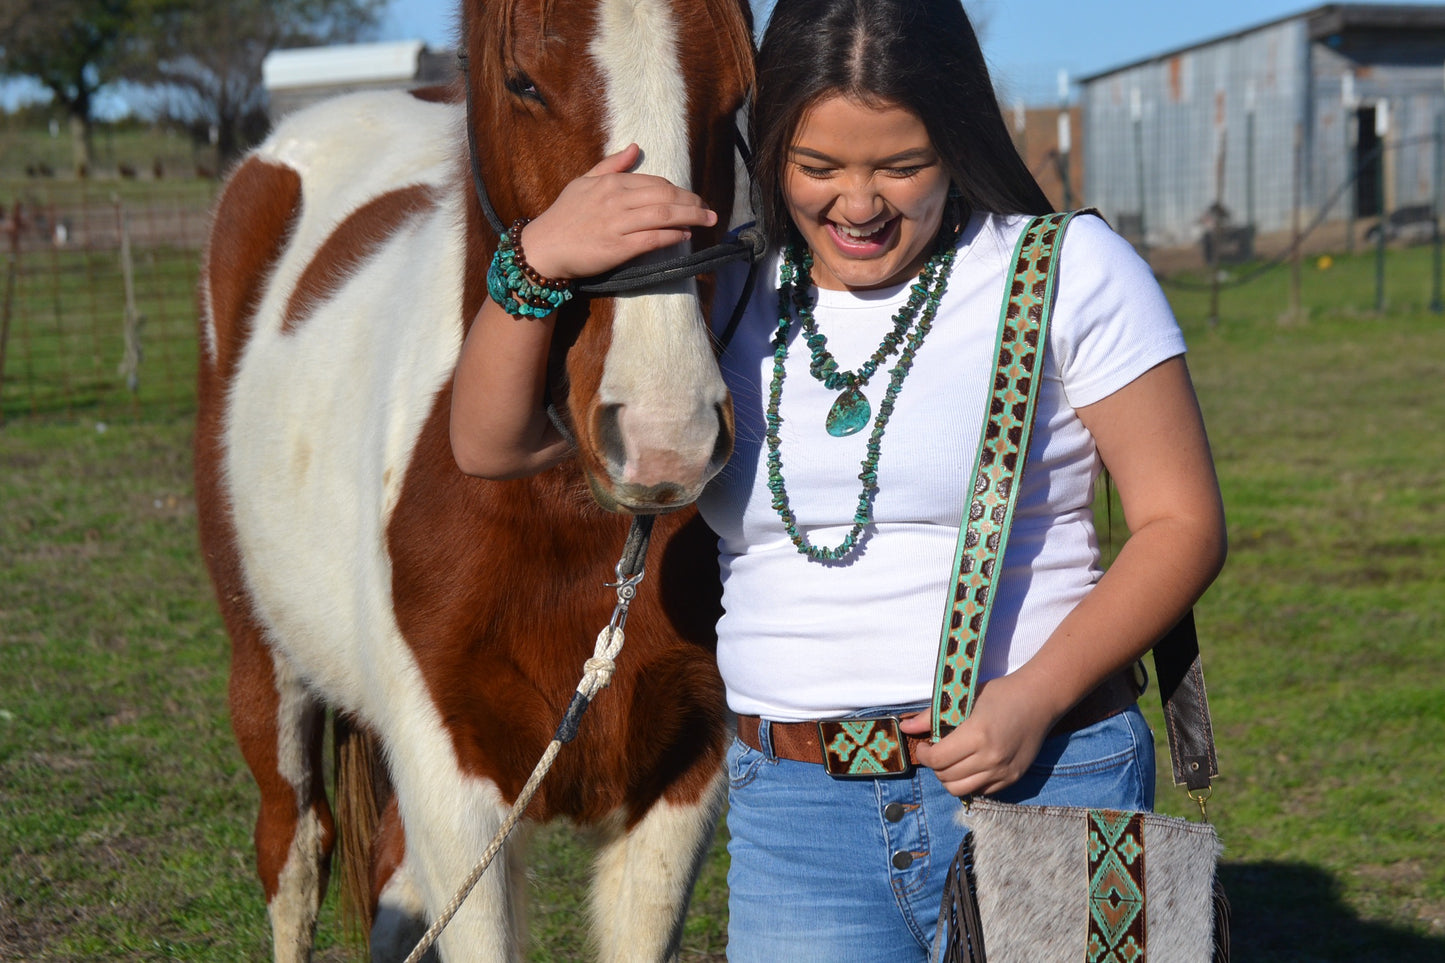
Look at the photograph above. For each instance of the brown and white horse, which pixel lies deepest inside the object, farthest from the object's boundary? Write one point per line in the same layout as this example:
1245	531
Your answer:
359	571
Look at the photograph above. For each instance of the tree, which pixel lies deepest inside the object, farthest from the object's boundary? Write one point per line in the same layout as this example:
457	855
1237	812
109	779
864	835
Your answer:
73	48
207	55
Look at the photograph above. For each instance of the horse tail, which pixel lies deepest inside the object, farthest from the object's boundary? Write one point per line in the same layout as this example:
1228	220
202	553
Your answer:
362	791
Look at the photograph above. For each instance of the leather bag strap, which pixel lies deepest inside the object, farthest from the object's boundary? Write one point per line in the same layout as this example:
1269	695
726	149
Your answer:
1180	676
983	537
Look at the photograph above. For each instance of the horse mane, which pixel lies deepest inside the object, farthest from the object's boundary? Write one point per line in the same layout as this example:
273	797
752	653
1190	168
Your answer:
733	20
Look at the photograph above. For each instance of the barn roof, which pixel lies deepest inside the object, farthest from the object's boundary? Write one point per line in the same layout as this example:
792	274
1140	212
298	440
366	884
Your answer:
1324	21
348	64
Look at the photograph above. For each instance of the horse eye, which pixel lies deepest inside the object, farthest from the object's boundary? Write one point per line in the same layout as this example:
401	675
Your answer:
522	85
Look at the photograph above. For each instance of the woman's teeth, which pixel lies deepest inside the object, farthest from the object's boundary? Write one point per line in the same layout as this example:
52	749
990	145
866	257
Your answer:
858	234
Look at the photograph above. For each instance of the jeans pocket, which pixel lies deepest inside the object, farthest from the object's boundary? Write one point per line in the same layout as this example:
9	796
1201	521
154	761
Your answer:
1108	765
742	763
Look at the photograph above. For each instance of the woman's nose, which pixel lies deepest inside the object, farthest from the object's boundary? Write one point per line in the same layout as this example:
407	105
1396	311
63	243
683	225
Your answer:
860	201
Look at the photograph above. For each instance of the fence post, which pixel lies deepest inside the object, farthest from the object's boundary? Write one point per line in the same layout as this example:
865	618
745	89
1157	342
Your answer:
11	265
1352	162
12	269
1382	128
1136	107
1249	104
130	360
1437	304
1295	307
1216	229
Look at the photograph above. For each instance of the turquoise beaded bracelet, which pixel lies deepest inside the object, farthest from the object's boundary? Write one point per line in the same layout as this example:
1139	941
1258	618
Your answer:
521	291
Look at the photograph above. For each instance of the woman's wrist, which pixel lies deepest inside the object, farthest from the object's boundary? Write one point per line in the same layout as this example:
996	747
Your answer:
517	286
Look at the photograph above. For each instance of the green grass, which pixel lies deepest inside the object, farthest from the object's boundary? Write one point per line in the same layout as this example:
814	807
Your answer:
125	810
25	146
1323	638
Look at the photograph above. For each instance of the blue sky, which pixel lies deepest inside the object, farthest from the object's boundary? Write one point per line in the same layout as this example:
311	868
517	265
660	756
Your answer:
1027	42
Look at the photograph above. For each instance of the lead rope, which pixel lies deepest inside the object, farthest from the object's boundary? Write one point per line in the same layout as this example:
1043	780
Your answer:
596	676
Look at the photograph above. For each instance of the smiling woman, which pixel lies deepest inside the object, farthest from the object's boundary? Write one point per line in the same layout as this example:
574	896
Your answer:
866	190
892	198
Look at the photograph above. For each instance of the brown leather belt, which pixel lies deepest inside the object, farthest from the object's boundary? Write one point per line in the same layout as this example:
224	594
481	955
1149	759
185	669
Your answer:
803	741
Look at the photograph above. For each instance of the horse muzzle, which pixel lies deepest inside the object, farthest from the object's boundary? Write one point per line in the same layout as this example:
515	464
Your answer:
657	462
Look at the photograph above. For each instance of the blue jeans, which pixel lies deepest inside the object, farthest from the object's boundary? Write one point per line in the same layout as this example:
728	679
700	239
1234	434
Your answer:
831	870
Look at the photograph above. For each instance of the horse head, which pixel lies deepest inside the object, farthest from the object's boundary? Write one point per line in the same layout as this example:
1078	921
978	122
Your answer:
553	88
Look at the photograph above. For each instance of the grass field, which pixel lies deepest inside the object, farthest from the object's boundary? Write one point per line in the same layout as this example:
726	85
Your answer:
137	147
125	810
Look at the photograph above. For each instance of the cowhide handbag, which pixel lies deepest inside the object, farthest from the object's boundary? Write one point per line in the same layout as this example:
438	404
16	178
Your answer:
1049	884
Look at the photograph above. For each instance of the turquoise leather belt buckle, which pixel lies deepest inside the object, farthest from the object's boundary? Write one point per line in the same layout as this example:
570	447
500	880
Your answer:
864	748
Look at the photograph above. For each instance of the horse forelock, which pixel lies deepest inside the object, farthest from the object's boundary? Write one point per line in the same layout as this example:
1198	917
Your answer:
492	31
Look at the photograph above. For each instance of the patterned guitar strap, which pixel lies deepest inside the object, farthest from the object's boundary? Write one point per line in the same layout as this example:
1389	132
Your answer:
1023	328
1115	843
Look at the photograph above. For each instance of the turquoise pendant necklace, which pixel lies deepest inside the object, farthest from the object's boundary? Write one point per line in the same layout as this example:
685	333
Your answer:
928	290
851	411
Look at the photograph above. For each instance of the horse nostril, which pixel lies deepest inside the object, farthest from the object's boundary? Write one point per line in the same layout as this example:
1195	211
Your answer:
722	448
609	438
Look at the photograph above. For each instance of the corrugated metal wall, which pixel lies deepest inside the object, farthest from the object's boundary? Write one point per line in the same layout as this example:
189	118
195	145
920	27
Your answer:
1415	92
1185	110
1194	104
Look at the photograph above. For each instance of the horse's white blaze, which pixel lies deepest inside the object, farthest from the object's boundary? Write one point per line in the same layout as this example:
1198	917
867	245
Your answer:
660	368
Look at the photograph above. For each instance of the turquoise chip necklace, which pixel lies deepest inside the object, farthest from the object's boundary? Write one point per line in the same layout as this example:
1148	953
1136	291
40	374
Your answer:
794	284
850	412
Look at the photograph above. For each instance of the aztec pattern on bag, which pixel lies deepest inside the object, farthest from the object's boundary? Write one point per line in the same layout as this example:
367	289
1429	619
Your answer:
1033	886
1117	919
1008	425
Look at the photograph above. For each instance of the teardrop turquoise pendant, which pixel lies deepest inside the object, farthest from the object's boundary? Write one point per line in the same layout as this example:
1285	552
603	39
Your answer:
849	415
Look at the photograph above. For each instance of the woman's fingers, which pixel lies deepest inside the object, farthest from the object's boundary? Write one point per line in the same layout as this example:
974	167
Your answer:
610	216
994	746
623	160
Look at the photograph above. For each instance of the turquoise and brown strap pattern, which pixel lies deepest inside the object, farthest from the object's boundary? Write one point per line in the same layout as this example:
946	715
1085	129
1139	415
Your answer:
1008	424
1116	887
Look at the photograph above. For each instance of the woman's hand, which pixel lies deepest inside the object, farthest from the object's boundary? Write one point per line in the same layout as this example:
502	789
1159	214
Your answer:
995	745
603	219
609	216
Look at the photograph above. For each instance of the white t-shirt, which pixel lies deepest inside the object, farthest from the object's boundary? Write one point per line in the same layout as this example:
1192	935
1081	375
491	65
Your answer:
802	639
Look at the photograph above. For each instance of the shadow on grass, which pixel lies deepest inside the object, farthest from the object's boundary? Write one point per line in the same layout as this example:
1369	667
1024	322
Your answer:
1293	913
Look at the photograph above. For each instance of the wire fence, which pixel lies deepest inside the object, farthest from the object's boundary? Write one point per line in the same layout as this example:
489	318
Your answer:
97	296
1409	224
98	283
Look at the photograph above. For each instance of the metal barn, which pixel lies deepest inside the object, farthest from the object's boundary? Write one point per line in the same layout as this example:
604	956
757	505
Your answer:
304	75
1210	131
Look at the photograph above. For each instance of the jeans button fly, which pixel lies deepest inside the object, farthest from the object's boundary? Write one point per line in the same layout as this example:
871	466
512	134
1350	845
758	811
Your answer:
893	812
902	859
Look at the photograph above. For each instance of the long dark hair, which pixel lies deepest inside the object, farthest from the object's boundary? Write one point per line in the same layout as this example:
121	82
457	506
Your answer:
919	54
